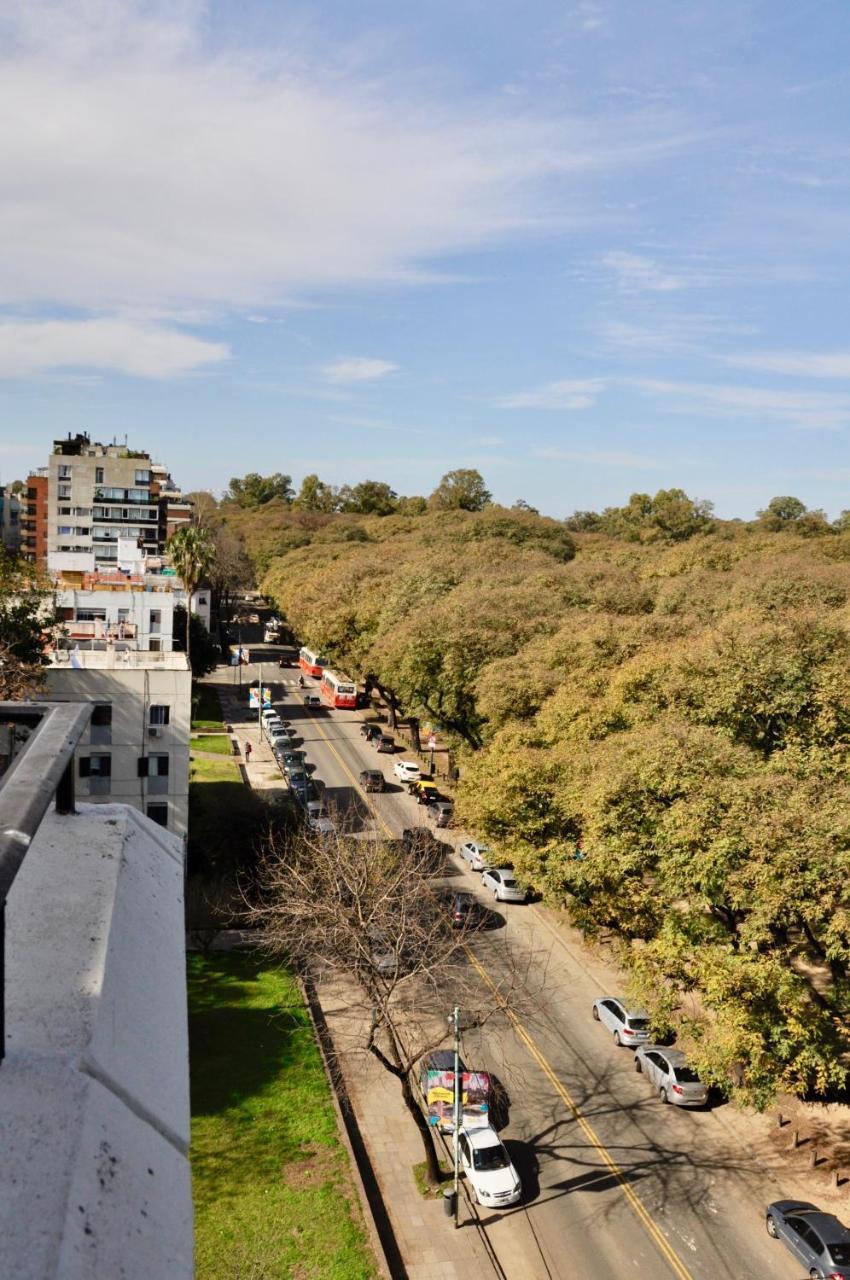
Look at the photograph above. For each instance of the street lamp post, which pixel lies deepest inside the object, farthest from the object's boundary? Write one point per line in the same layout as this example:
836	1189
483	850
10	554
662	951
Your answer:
458	1085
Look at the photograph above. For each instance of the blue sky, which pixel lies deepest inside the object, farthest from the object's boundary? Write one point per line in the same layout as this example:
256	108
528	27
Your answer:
588	247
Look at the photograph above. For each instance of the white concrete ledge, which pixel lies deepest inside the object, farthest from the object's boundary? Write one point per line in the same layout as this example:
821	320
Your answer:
94	1096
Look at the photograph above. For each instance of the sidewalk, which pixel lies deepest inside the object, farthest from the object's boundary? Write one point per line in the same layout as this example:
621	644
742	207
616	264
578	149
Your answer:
429	1244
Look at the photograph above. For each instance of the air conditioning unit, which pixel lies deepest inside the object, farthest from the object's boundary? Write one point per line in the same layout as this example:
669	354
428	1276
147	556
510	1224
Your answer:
154	731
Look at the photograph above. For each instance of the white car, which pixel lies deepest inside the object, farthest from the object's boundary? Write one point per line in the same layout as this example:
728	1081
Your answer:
627	1024
477	855
488	1167
406	770
503	883
668	1071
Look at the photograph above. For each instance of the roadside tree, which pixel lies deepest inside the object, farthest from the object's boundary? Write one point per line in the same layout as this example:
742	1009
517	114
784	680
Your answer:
192	554
359	912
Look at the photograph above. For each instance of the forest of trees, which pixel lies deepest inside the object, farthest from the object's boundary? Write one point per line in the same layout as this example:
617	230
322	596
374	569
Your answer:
669	689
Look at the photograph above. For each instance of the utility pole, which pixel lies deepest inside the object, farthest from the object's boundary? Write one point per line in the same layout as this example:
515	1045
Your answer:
458	1083
260	705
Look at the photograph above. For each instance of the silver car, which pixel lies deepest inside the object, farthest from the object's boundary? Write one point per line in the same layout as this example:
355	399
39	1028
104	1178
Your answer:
819	1241
673	1079
477	855
628	1025
503	883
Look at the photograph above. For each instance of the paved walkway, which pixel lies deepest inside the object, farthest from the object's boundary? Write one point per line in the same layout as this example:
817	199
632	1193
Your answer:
427	1240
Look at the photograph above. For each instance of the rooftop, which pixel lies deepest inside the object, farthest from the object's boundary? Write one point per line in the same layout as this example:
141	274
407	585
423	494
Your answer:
118	658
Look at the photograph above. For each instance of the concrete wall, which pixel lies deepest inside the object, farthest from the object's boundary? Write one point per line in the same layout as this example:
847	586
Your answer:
94	1090
132	690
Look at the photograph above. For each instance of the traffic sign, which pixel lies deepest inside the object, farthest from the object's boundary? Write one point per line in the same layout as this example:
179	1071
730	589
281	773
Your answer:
432	742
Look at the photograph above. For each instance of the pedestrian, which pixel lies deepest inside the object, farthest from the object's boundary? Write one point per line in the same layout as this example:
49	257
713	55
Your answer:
248	750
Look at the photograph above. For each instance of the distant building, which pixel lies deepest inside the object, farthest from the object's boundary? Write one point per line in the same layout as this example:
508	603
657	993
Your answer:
34	517
10	519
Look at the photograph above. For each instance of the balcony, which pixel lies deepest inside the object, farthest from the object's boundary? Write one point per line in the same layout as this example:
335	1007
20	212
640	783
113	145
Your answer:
94	1066
98	630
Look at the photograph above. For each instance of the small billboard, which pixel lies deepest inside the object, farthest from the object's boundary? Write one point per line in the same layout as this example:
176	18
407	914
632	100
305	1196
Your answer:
254	696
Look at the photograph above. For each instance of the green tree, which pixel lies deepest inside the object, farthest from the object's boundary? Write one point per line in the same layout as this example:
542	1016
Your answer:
315	495
254	490
463	490
203	651
26	618
192	554
370	497
415	505
781	513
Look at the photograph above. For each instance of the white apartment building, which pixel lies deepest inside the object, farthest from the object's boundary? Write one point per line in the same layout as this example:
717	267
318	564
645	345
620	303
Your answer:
136	751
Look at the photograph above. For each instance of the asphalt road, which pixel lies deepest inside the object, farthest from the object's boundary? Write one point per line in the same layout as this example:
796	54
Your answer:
615	1182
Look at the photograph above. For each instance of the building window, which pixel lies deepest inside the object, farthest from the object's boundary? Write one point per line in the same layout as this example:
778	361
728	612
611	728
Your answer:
98	770
101	724
143	477
160	715
155	645
64	511
95	766
66	529
98	475
155	768
158	813
64	472
64	491
155	621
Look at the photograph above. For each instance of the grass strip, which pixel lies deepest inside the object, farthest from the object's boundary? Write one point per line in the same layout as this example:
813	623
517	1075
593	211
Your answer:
273	1189
216	743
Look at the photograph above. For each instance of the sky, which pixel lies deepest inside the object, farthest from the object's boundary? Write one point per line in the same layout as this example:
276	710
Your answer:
588	247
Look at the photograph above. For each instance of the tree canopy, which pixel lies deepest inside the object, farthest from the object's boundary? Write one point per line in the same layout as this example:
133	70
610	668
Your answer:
254	490
462	490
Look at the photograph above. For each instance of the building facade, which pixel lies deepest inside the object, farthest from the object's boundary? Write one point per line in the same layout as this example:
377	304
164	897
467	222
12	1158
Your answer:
136	750
34	518
10	519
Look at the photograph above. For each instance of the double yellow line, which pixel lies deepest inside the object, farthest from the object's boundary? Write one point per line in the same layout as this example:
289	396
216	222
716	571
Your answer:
659	1239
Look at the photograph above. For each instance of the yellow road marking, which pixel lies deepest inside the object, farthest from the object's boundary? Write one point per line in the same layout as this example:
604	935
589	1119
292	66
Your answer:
665	1248
587	1129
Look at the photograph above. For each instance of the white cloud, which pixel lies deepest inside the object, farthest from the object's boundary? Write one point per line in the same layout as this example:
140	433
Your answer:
357	369
574	393
835	364
666	333
809	409
139	170
122	346
636	272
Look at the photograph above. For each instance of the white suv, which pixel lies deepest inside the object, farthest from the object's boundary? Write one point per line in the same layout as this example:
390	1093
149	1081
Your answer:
406	770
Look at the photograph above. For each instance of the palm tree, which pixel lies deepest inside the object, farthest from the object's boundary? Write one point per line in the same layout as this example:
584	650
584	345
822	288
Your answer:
192	554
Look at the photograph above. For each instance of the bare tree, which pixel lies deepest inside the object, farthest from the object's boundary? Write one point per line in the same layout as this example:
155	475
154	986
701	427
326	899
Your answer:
361	909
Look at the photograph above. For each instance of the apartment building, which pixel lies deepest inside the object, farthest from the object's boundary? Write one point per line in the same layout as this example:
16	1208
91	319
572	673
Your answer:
34	517
136	750
10	519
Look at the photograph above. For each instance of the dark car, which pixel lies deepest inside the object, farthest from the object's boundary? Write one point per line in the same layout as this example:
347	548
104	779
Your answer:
372	780
441	812
463	911
818	1240
370	731
422	846
298	779
384	742
291	758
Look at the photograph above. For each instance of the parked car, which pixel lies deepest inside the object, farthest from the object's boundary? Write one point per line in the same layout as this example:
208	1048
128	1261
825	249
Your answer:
312	700
441	812
628	1025
503	883
370	731
818	1240
384	742
321	826
462	909
316	809
388	957
423	791
423	847
298	779
487	1165
477	855
290	758
406	770
673	1079
372	780
269	713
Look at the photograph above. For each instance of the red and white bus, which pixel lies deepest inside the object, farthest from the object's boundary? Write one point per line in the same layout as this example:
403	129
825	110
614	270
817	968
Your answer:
310	662
337	691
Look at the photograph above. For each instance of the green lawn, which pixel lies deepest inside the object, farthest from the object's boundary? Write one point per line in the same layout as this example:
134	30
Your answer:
272	1185
218	743
206	708
213	771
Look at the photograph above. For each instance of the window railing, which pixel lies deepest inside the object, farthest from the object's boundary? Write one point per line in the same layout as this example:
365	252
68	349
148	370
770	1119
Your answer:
34	771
